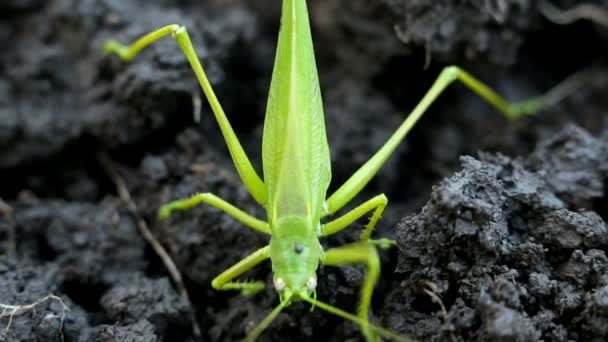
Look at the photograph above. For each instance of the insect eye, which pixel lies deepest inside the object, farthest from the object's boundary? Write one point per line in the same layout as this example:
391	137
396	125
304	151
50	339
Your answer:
279	284
298	248
311	283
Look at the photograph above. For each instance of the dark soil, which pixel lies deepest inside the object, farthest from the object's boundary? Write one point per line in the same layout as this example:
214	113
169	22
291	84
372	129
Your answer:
508	244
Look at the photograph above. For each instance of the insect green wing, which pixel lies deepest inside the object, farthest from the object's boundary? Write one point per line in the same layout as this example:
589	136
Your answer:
295	153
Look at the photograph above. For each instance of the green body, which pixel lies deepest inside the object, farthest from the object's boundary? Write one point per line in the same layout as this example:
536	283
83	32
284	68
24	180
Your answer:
297	168
297	172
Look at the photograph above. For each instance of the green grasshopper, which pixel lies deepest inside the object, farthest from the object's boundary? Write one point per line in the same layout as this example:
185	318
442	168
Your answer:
297	172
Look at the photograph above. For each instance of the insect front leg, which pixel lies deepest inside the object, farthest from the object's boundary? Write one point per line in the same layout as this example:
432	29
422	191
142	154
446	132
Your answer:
377	204
360	253
188	203
224	281
252	180
364	174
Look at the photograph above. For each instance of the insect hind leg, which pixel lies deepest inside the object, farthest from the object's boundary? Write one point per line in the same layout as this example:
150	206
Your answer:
449	75
249	176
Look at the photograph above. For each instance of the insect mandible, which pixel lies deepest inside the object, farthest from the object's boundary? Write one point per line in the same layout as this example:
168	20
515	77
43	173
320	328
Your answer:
297	172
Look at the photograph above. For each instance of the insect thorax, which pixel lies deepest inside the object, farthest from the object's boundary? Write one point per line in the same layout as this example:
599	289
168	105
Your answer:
294	252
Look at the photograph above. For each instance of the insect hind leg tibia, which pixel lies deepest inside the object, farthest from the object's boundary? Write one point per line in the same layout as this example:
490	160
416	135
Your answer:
188	203
223	282
249	176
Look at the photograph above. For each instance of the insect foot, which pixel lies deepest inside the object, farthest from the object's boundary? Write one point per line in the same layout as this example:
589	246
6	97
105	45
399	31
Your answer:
383	243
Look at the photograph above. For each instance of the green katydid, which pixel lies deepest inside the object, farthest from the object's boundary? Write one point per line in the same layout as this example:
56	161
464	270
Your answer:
297	172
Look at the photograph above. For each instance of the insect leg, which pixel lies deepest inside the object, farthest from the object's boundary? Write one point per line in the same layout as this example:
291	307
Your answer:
188	203
356	319
224	280
361	177
252	180
359	253
377	204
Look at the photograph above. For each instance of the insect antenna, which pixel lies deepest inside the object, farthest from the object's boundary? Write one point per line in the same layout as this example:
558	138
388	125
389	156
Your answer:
343	314
267	320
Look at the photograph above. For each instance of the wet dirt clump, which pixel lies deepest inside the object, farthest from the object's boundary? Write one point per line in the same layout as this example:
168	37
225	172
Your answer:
512	247
92	256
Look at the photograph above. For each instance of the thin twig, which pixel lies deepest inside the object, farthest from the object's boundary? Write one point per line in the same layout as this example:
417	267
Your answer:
430	289
11	311
437	300
596	14
162	253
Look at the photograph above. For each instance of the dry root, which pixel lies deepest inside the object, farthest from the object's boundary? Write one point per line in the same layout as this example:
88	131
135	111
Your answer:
10	311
